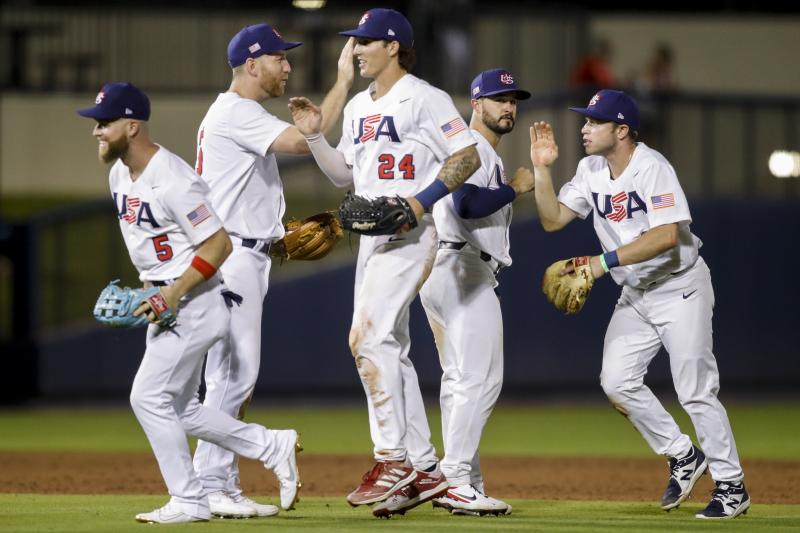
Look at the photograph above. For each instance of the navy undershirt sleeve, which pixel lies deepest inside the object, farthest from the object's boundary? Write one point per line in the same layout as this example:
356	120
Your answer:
472	201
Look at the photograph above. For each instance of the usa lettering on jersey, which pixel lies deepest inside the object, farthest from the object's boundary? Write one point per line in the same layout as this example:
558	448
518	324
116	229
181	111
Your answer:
619	206
373	126
133	210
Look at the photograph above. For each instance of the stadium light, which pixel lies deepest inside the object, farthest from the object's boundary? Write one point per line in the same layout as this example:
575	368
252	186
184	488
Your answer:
309	5
784	164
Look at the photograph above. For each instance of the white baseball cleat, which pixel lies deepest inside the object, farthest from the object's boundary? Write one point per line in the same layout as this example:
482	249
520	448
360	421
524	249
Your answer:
222	505
286	470
262	509
169	515
467	500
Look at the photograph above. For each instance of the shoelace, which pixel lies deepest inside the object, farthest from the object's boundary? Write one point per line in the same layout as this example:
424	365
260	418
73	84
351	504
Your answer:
676	464
722	492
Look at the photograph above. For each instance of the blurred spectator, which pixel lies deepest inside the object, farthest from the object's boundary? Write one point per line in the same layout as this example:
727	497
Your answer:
594	69
658	74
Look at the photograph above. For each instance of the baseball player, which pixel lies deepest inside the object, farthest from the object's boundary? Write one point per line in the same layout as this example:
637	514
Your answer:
177	242
459	298
236	146
400	136
642	221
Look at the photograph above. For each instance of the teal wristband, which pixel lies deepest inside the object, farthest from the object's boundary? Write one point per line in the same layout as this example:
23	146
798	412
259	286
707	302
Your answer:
603	263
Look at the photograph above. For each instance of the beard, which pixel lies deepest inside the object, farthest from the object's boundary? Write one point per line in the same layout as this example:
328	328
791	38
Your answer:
114	150
272	85
495	126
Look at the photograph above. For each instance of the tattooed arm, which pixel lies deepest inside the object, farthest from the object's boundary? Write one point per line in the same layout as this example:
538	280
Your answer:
455	171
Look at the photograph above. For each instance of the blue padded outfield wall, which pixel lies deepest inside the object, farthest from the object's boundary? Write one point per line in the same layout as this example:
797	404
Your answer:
752	251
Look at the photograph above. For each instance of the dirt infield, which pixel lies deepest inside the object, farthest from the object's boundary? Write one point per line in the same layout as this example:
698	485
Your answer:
522	477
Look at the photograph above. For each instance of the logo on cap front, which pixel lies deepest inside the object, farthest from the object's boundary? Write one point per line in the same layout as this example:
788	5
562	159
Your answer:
254	48
507	78
364	19
99	98
596	98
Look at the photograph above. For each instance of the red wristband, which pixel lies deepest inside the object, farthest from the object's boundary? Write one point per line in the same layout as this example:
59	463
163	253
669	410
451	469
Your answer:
204	267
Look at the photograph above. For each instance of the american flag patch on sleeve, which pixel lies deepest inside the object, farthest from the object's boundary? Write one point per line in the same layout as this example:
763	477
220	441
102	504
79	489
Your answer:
199	214
661	201
453	127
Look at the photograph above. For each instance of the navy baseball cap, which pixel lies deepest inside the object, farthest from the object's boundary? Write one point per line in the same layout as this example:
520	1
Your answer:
384	24
255	41
496	81
118	100
613	106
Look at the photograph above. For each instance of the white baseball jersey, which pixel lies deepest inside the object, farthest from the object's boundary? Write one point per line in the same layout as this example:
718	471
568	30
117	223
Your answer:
646	195
164	215
397	143
489	234
666	301
233	157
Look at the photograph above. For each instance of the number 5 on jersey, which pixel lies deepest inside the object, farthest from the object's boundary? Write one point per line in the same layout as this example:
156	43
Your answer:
163	249
386	166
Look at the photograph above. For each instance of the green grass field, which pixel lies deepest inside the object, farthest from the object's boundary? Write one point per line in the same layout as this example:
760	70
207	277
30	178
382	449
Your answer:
36	514
763	431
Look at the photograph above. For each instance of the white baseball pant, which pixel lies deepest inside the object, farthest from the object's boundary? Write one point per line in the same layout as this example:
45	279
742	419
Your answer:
464	313
389	274
233	363
676	313
164	399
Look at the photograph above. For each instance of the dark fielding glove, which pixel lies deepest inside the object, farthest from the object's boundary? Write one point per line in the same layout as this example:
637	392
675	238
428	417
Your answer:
116	305
382	216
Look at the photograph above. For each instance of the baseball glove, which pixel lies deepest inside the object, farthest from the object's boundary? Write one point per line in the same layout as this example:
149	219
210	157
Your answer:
116	305
568	293
308	239
382	216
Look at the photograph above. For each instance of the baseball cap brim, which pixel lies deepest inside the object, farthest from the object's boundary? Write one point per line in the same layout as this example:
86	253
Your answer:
586	112
286	46
361	32
96	113
521	95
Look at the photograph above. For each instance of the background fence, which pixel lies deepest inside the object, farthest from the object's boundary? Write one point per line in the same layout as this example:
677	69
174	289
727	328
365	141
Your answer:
53	265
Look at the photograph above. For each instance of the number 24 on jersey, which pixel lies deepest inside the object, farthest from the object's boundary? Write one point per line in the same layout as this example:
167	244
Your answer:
386	167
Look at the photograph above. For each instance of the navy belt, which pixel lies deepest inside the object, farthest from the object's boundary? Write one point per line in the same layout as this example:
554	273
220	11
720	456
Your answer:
449	245
159	283
253	243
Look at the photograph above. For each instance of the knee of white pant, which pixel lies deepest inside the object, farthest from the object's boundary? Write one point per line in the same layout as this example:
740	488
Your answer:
617	388
688	398
495	380
141	400
354	340
365	340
